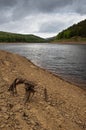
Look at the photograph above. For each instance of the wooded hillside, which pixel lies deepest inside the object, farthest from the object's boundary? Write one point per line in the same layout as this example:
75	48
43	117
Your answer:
13	37
75	31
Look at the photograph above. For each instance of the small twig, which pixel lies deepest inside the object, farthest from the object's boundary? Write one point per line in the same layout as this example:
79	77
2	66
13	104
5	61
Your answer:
45	95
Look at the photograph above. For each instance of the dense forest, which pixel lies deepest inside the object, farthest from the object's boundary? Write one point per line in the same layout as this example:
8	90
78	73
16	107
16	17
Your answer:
75	31
12	37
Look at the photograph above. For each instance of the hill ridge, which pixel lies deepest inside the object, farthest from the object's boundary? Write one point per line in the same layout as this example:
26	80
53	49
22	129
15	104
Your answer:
16	37
76	32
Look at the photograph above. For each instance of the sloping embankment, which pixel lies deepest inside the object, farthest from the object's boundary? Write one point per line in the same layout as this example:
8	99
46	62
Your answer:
65	108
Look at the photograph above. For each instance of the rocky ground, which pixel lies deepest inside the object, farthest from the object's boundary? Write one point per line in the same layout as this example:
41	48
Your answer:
62	107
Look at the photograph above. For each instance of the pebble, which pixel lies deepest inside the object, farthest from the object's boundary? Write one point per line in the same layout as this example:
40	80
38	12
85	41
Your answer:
6	117
28	107
2	126
4	109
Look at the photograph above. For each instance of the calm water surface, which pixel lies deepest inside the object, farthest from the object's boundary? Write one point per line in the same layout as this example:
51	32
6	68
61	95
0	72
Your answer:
67	61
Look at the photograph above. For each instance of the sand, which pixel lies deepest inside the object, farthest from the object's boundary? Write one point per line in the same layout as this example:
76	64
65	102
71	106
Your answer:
65	108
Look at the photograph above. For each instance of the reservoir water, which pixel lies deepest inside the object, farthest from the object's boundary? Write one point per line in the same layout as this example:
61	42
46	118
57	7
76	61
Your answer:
66	60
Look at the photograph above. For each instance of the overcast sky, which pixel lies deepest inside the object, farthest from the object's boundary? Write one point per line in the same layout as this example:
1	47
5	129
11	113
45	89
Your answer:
44	18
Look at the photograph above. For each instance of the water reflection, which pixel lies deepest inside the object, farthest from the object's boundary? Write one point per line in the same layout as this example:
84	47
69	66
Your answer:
68	61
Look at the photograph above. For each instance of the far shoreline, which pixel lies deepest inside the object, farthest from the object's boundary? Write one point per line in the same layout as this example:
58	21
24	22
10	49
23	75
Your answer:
52	42
70	42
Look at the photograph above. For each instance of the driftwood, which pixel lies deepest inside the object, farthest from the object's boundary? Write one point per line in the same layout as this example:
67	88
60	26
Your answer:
29	88
12	87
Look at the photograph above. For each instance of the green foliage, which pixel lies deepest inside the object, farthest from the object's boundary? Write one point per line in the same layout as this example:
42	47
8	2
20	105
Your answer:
77	30
12	37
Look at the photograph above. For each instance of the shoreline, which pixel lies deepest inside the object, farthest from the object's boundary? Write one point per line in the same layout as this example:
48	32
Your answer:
64	108
70	42
56	42
56	75
51	73
45	70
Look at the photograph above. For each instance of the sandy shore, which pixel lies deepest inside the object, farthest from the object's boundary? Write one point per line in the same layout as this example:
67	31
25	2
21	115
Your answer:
65	108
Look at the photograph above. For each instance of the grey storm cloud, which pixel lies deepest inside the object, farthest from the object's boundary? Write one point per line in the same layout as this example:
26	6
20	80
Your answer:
7	3
20	8
14	14
39	4
23	8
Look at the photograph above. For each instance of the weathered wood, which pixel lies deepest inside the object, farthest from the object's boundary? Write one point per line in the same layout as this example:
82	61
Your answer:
29	87
45	95
12	87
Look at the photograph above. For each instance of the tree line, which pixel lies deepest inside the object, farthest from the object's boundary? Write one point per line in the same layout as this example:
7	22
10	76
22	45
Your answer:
73	31
12	37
